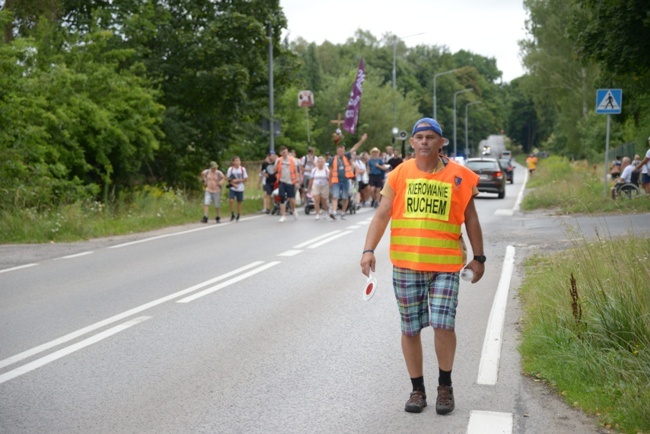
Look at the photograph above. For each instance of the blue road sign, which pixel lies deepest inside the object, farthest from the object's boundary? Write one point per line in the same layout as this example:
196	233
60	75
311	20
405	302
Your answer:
609	101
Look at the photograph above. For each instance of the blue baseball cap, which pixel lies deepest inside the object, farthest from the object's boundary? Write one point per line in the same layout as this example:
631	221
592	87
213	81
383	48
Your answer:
427	124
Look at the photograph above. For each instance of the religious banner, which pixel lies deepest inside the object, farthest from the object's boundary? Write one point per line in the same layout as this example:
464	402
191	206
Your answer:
352	112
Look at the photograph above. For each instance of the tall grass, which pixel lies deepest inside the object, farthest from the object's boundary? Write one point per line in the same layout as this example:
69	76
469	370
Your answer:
143	209
587	328
567	188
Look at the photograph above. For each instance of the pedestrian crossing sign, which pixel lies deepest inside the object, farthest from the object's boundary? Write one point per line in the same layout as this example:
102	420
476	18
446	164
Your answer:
609	101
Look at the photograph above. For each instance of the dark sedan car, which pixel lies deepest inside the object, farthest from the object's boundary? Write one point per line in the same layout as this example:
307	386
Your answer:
508	168
492	179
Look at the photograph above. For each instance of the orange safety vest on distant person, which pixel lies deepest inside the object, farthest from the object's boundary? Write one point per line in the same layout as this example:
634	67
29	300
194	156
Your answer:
428	212
292	170
349	173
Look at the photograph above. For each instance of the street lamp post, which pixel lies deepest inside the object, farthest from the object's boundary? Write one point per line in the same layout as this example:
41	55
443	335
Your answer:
455	95
466	135
435	107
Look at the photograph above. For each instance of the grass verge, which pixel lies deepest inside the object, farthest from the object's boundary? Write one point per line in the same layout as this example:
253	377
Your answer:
143	210
576	187
586	326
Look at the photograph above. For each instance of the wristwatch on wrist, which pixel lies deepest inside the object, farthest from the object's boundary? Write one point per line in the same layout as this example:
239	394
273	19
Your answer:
480	259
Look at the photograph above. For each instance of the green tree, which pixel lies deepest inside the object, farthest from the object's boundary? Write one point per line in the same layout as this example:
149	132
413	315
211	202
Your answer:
613	33
74	117
558	77
526	126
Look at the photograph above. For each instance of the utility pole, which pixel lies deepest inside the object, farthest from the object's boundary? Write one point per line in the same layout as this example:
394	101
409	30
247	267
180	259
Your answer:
271	114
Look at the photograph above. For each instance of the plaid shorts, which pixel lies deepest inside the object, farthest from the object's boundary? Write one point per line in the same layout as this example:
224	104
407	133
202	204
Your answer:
425	298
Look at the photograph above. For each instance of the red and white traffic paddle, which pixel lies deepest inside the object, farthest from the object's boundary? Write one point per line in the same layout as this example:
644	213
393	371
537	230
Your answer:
369	288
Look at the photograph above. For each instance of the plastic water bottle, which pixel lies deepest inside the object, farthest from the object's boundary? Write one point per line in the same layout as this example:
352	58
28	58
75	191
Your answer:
467	274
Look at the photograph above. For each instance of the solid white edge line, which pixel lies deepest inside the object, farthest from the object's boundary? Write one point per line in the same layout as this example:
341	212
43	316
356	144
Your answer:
489	365
228	282
520	196
342	234
313	240
6	270
69	350
145	240
489	422
70	336
76	255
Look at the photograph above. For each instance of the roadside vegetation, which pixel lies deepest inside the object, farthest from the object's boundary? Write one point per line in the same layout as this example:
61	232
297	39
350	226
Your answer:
565	187
586	328
139	210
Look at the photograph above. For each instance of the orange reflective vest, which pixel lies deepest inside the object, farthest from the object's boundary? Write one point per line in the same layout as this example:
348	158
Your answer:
349	173
292	170
428	212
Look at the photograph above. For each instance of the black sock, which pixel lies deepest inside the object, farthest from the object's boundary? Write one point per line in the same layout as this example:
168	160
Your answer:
418	383
445	378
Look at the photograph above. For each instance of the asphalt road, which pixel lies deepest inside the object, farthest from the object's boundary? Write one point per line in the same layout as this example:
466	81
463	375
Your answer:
259	327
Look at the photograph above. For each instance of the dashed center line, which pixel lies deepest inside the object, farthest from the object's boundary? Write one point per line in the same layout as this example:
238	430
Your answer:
290	253
69	350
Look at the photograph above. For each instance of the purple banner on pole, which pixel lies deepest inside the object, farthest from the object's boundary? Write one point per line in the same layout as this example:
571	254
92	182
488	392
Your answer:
352	112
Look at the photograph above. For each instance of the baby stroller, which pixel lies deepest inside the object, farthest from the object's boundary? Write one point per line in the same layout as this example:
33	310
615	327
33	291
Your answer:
309	204
275	195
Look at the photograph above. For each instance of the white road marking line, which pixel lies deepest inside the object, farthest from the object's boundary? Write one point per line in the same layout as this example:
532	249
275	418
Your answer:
228	282
489	422
505	212
488	369
76	255
332	238
353	227
146	240
117	246
290	253
313	240
520	196
70	336
69	350
6	270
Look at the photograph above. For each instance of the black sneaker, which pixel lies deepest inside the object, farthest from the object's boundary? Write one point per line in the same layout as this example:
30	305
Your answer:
218	219
416	403
232	217
237	218
445	400
204	219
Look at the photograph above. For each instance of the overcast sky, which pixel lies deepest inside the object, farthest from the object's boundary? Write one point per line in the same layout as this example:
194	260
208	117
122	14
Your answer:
491	28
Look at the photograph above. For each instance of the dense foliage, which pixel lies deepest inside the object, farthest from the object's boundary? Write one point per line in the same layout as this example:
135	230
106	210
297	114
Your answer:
101	96
574	48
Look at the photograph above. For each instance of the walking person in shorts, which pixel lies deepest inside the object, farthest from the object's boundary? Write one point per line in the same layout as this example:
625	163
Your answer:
319	185
341	174
287	168
427	199
237	176
212	179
